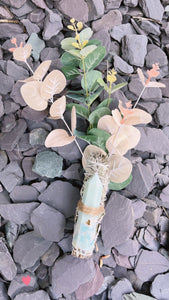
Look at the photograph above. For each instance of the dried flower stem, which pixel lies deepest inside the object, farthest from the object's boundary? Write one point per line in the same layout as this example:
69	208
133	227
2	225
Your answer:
139	96
29	66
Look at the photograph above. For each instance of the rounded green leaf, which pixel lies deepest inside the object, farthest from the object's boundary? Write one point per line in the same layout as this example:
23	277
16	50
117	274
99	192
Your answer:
80	110
119	186
93	59
70	72
97	114
85	34
91	79
68	59
88	49
66	44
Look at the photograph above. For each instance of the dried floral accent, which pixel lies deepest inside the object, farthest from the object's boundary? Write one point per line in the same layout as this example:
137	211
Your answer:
57	108
111	76
73	119
153	73
42	70
58	138
19	52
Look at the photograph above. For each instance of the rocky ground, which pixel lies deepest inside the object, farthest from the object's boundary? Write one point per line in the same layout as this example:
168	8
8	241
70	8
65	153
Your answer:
38	200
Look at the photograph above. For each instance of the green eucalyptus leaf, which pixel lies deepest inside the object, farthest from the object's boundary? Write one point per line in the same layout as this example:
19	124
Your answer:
80	110
93	59
76	97
94	42
119	186
70	72
94	96
118	86
66	44
94	140
75	52
91	80
68	59
97	114
103	84
85	34
78	92
104	103
85	51
98	132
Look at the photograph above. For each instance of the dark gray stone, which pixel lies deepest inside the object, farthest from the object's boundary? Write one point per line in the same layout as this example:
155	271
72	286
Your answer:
103	36
96	9
62	196
18	213
49	53
108	21
138	208
142	182
3	159
11	176
15	71
48	222
25	9
74	172
150	107
119	31
30	27
66	243
148	238
71	151
17	286
160	287
150	27
149	264
1	107
153	140
38	295
3	292
129	248
52	25
73	272
118	289
118	222
162	114
152	215
79	9
111	4
48	163
9	140
8	268
16	95
131	3
152	9
6	82
23	144
37	136
50	255
40	186
24	193
34	115
28	249
37	15
121	66
136	296
27	164
132	55
164	197
156	55
8	30
165	91
8	123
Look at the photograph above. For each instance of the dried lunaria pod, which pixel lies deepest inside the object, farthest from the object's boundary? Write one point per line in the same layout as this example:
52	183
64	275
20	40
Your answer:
54	83
42	70
57	108
120	168
58	138
22	53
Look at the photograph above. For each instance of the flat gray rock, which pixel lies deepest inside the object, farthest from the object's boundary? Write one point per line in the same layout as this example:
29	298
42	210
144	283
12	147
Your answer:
24	193
96	9
152	9
30	27
152	215
17	285
111	4
8	268
103	36
73	272
153	140
156	55
28	249
9	140
8	30
49	257
37	136
79	12
3	292
131	3
121	66
129	248
149	264
6	81
18	213
160	287
27	164
8	123
119	31
142	181
16	94
164	197
118	222
11	176
15	71
33	115
162	114
108	21
136	296
48	163
138	208
120	288
3	159
48	222
129	53
38	295
1	107
26	8
165	91
74	172
62	196
148	238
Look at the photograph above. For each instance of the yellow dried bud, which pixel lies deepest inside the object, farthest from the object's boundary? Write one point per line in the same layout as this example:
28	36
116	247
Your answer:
72	20
84	43
77	37
76	45
111	76
79	25
70	27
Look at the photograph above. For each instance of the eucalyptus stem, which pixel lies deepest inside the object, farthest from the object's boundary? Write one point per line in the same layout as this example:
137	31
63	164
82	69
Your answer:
29	66
139	96
85	81
72	135
108	102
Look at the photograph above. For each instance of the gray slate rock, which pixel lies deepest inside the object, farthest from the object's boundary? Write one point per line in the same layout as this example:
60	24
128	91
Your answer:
96	9
8	268
121	66
103	36
38	295
108	21
111	4
162	113
149	264
142	182
16	95
49	257
24	193
37	45
148	238
17	286
8	123
3	159
73	272
1	107
71	151
52	25
74	172
14	4
79	9
48	163
118	222
119	31
9	140
6	82
136	296
131	3
129	248
15	71
160	287
150	27
11	176
23	10
37	15
164	197
48	222
40	186
30	27
165	91
153	140
8	30
3	292
37	136
28	249
152	9
27	164
129	52
49	53
18	213
156	55
118	289
152	216
62	196
138	208
33	115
